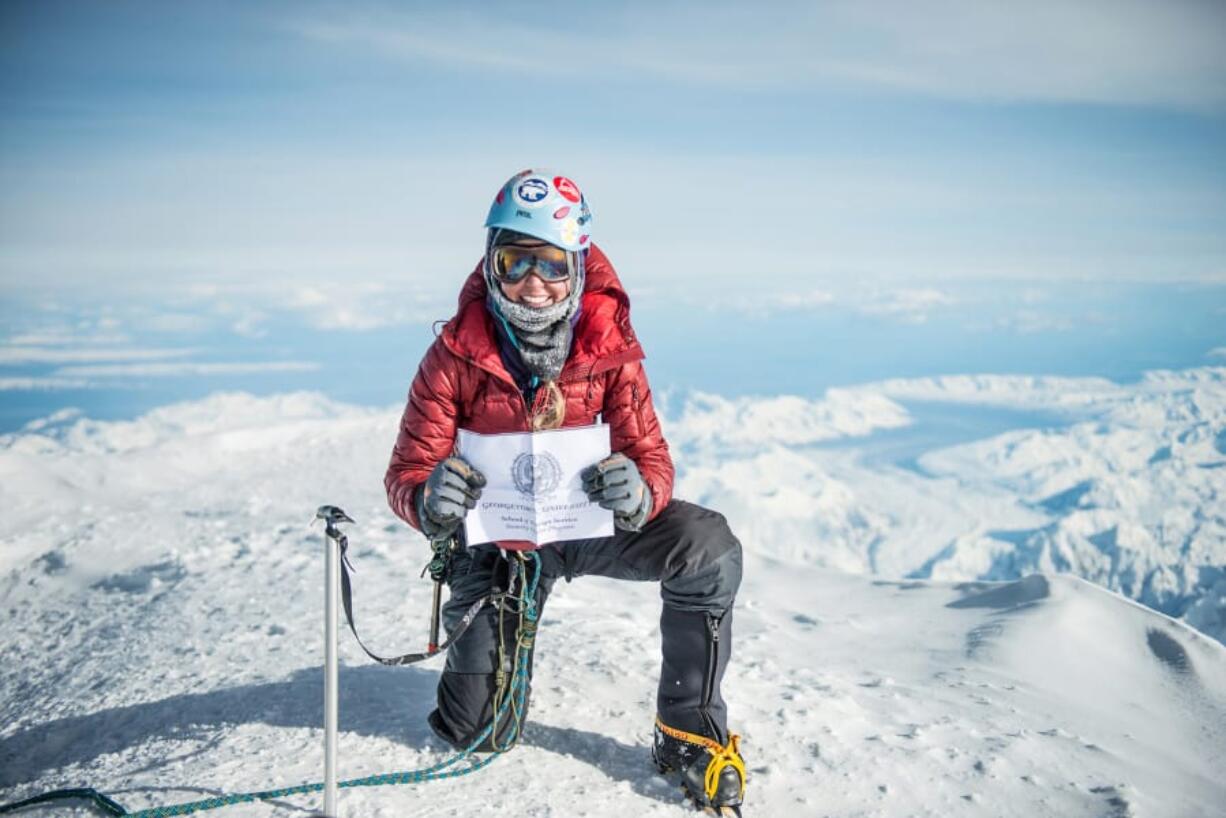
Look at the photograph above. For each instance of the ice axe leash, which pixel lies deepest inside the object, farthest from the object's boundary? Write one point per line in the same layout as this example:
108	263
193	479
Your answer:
526	572
438	567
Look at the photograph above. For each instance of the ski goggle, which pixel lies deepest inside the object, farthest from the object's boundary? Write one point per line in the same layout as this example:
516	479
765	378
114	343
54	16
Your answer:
513	263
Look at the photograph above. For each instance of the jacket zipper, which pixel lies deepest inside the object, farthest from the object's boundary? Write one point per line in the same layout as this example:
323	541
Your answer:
708	687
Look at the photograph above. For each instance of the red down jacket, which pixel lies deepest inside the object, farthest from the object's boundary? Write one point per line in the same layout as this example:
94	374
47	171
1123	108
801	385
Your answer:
462	383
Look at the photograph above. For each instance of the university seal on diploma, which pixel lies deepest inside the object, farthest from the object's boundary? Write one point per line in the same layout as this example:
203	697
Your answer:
536	475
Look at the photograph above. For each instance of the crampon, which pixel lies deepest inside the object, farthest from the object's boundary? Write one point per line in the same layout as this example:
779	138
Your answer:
711	776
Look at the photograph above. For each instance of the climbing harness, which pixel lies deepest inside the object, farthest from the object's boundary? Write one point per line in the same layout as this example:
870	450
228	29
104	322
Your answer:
510	702
525	636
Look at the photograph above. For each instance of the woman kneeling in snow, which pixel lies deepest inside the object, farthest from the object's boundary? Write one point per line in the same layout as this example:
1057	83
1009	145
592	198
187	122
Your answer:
542	340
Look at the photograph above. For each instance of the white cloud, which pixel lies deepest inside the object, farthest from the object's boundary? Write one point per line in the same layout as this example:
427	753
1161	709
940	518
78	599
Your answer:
370	305
805	300
758	303
249	325
1033	322
56	418
1217	352
1130	52
153	237
307	298
1125	52
183	369
65	337
175	322
910	305
43	384
17	355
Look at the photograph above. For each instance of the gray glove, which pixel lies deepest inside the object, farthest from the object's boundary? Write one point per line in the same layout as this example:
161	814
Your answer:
616	484
448	493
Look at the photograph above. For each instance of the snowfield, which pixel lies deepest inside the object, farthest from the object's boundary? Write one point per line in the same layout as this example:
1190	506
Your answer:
162	590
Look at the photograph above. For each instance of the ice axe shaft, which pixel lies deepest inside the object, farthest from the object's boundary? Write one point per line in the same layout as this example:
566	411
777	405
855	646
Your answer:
443	550
434	615
331	515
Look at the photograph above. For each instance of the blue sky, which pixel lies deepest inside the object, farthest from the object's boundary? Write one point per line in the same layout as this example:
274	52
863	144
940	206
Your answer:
237	169
215	141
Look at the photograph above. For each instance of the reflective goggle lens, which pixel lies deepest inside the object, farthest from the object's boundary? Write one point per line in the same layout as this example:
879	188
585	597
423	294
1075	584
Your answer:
513	263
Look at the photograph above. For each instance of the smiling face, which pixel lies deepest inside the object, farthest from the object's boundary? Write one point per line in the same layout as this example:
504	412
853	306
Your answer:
532	291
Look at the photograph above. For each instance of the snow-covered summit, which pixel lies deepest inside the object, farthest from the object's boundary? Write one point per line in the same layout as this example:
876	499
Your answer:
854	696
163	587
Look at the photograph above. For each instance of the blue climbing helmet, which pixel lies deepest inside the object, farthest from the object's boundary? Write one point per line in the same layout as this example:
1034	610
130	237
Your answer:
545	205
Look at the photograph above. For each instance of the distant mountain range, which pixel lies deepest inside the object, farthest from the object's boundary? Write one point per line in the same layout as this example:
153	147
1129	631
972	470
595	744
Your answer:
1122	485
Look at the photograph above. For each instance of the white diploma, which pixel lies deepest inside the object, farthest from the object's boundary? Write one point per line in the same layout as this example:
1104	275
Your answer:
533	490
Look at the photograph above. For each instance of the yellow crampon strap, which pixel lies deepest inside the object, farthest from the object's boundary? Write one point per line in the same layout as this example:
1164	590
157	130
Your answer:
721	757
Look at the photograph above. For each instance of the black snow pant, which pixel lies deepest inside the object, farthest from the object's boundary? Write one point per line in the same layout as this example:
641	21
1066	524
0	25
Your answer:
688	549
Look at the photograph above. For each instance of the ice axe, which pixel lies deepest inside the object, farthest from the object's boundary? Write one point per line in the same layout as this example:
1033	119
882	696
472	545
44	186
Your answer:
438	567
338	564
336	545
443	549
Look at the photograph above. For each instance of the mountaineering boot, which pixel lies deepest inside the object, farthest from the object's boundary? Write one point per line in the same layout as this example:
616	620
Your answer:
691	731
712	776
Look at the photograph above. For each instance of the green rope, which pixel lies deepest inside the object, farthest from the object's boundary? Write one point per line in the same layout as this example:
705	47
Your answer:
436	772
85	793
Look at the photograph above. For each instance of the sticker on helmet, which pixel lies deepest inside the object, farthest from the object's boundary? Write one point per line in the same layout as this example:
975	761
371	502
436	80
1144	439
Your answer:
568	189
523	214
583	239
561	212
569	231
532	192
501	197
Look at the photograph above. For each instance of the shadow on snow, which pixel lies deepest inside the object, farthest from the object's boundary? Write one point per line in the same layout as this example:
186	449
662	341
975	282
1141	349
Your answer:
375	701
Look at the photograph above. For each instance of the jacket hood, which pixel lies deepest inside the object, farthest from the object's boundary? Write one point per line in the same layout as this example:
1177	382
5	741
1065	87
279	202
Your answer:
603	336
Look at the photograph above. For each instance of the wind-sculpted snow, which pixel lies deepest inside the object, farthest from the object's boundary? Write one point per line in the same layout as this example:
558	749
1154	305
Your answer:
162	589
